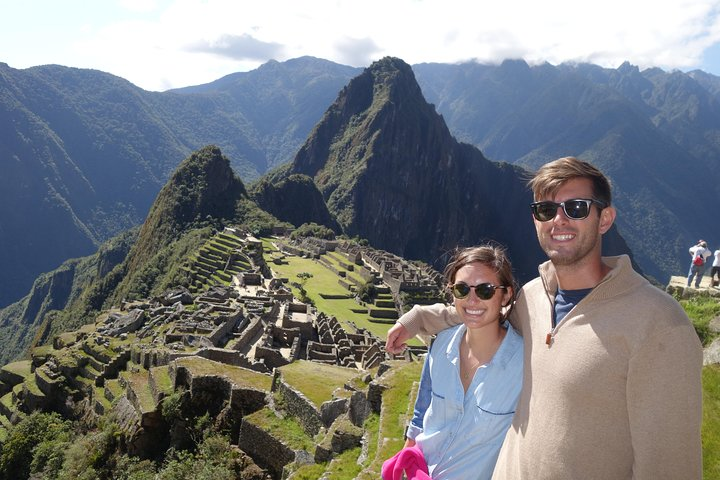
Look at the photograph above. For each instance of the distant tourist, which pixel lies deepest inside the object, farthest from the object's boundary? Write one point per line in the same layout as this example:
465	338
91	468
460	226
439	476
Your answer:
612	372
715	269
699	254
472	376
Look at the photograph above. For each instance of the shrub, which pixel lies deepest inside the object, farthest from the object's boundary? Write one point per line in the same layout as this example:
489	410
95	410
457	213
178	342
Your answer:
41	433
313	230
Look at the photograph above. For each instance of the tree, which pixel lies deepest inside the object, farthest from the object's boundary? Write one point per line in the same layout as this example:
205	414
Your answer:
304	276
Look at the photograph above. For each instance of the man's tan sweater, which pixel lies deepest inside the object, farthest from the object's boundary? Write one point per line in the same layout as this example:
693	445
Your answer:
617	393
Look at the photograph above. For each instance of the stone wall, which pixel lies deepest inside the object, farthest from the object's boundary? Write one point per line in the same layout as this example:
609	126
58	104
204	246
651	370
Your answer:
271	356
225	328
246	336
301	408
265	450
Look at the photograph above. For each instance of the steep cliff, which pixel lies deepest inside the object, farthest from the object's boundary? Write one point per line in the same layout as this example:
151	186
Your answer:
294	199
391	172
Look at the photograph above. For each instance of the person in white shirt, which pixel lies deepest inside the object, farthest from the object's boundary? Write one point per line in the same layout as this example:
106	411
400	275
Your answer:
715	268
699	254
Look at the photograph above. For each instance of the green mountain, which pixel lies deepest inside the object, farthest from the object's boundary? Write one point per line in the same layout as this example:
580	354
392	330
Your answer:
201	196
83	153
655	134
391	172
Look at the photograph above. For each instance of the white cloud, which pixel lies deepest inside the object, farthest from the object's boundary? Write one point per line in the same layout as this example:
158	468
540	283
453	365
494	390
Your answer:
171	43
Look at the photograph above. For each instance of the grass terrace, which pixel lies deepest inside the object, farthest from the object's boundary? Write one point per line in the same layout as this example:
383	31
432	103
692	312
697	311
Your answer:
238	375
32	386
325	281
99	396
210	261
138	381
398	402
20	368
113	386
163	382
286	429
339	262
317	381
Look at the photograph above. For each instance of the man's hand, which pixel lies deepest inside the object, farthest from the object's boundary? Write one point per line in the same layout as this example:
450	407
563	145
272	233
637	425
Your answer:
396	339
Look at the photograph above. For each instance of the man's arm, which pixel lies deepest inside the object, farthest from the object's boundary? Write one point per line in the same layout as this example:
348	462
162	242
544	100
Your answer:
424	319
664	398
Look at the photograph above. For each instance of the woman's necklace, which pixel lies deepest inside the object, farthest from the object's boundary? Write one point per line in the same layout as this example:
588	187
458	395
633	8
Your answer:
466	354
471	371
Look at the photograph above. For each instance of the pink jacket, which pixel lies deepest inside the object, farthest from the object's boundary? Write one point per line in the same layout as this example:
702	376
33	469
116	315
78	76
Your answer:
409	460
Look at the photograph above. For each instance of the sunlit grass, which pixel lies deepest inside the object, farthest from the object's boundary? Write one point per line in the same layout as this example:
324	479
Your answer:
317	381
711	422
325	281
387	437
21	368
239	376
701	310
286	429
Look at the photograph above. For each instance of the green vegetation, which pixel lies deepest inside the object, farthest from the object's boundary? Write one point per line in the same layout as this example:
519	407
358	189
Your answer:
397	409
701	309
325	281
21	368
313	230
287	429
239	376
317	381
44	446
34	445
711	422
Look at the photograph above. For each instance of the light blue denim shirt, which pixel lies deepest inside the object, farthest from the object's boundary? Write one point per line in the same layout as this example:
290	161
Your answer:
461	433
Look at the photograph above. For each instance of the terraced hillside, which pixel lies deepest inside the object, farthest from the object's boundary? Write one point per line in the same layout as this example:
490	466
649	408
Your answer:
218	260
300	390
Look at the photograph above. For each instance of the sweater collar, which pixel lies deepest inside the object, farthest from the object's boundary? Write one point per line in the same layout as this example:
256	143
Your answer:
621	273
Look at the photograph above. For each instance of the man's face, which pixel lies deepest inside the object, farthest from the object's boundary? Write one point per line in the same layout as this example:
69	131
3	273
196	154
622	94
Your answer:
566	241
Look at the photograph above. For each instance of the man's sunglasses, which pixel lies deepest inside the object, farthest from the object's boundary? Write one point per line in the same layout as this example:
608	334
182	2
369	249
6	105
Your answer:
575	209
484	291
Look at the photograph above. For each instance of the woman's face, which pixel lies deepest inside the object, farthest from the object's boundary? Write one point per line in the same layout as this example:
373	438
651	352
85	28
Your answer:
475	312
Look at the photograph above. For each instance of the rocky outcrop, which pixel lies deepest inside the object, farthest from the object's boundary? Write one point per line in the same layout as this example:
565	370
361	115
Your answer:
294	199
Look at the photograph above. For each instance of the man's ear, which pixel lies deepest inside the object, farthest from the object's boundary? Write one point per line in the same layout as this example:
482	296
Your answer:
607	218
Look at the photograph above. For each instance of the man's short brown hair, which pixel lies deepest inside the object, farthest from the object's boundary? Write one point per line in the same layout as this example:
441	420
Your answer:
553	175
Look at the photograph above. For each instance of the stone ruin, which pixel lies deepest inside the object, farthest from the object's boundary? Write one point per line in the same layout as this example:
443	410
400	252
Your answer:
261	332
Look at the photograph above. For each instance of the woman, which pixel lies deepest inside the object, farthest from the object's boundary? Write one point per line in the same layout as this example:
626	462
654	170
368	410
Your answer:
472	375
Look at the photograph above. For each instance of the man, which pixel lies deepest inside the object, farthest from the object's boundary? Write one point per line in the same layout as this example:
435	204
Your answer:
715	269
699	254
612	365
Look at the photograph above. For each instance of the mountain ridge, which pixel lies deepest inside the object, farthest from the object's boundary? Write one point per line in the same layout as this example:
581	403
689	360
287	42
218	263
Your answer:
84	153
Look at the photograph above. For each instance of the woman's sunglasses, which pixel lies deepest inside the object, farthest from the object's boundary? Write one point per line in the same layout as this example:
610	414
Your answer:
484	291
575	209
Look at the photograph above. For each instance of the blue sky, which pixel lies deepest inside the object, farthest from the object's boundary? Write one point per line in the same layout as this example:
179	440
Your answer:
162	44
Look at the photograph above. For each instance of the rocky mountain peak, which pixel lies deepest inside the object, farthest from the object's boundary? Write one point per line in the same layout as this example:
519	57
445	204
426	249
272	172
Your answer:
203	186
390	171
